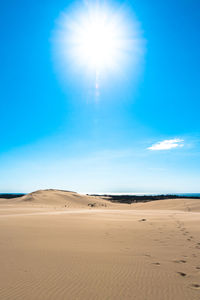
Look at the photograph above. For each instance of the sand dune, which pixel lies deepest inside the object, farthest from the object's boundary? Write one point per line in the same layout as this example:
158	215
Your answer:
59	198
171	204
147	251
69	199
63	198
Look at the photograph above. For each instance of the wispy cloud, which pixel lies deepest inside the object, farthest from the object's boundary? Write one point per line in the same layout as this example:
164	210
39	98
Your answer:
167	144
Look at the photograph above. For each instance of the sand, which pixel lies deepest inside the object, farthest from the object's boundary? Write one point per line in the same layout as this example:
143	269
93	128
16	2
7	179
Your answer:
54	246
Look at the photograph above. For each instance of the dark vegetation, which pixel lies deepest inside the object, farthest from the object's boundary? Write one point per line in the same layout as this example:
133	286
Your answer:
128	199
10	196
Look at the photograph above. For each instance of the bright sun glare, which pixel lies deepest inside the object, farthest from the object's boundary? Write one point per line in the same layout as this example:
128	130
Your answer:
98	39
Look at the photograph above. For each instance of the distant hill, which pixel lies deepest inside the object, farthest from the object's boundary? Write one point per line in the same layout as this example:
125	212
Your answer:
57	198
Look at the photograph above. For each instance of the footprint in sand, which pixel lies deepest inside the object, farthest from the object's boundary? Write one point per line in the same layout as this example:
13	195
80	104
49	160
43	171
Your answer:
156	263
195	286
181	261
182	274
147	255
107	234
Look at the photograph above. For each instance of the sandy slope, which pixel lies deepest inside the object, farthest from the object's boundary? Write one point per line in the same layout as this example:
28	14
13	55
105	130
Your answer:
144	251
58	198
171	204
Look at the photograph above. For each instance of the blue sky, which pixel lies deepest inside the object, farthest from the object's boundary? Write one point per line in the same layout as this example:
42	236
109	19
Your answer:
142	134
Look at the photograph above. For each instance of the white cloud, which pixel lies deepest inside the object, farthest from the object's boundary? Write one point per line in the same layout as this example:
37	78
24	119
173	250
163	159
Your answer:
167	144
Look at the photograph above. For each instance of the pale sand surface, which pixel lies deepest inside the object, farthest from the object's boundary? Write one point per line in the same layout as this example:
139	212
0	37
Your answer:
52	246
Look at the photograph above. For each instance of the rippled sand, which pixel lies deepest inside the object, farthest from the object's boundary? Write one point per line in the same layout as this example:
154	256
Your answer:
54	246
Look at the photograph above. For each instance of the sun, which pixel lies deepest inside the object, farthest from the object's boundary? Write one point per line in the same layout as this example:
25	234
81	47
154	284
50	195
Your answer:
95	38
97	43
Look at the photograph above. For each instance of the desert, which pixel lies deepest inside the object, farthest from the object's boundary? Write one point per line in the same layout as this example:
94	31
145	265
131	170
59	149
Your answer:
56	245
